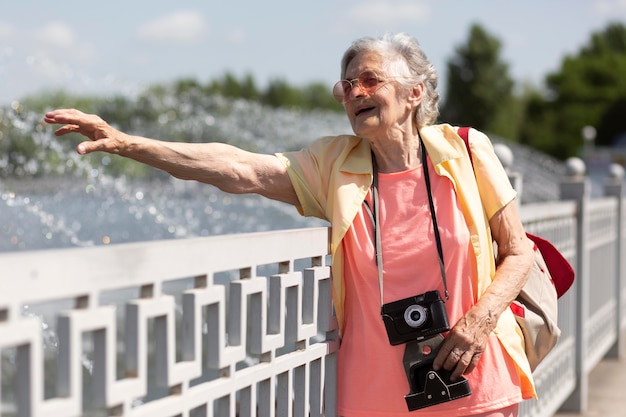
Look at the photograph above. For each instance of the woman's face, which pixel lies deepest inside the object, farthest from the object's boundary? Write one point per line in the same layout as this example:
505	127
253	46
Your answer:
380	112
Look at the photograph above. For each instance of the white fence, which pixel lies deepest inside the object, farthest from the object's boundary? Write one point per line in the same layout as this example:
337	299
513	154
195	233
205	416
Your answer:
592	316
242	325
233	325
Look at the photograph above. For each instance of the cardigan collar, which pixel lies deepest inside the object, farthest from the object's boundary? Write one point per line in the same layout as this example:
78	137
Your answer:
439	150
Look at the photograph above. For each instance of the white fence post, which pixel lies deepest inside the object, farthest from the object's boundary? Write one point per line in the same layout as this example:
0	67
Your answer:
576	186
614	187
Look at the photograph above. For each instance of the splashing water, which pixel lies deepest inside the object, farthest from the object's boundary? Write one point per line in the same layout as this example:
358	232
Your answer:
87	207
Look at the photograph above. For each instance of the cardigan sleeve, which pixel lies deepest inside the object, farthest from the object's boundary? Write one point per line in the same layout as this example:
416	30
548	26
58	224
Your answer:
493	182
303	170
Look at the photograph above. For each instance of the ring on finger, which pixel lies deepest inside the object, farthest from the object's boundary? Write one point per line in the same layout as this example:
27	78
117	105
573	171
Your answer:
456	353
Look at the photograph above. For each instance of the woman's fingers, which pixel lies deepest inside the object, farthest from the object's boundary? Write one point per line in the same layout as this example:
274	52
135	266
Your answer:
84	148
103	144
464	365
458	361
473	363
63	116
75	121
89	125
460	352
67	129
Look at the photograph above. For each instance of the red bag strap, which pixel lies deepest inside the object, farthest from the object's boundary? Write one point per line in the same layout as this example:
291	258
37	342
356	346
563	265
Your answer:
463	132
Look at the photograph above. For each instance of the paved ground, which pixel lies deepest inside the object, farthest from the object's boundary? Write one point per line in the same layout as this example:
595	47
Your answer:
607	390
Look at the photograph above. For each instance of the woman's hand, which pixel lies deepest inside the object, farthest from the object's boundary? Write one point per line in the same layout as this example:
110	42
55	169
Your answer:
466	342
103	136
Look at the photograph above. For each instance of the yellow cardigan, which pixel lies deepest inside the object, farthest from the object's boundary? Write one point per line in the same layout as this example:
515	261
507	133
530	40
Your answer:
333	175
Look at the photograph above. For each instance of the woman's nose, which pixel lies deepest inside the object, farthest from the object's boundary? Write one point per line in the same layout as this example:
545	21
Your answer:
355	90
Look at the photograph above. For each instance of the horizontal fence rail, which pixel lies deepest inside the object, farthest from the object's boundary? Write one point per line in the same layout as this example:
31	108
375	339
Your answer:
242	325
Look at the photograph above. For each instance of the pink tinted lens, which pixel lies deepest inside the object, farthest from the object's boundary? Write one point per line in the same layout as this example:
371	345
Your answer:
341	91
368	80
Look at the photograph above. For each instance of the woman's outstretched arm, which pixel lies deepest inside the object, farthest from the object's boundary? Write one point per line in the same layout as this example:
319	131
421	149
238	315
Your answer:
224	166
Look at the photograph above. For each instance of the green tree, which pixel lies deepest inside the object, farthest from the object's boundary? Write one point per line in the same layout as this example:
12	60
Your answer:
281	94
589	89
228	86
318	96
479	88
249	90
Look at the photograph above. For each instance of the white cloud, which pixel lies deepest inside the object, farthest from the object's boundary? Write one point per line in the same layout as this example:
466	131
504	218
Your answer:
57	34
5	30
385	13
46	67
57	53
179	27
610	7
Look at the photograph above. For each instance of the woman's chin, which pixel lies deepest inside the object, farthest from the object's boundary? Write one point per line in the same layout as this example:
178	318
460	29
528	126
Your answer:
364	127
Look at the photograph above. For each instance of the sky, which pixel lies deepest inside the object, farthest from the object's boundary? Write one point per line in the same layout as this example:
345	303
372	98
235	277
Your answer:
110	46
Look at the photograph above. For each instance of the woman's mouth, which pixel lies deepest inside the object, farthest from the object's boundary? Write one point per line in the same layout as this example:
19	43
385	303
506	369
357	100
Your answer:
362	110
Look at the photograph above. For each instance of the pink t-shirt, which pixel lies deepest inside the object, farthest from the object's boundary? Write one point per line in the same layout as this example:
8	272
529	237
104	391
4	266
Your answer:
372	380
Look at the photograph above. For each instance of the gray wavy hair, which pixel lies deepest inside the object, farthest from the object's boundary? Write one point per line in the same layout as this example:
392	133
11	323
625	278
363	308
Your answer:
408	62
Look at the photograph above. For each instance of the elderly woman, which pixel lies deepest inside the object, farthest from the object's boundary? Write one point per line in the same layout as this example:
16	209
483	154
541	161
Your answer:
411	214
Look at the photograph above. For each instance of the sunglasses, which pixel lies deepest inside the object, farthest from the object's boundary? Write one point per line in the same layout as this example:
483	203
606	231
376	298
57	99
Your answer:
367	81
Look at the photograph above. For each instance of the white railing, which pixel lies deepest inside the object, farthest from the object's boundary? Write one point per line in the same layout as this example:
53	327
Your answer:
242	325
590	233
224	326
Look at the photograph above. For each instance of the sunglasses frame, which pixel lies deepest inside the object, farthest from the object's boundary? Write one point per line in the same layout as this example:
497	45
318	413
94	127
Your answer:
341	87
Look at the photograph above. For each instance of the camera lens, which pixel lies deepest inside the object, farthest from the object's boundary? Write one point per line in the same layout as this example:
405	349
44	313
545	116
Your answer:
415	315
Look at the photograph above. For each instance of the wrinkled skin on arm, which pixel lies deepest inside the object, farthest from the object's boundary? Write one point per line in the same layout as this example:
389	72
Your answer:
227	167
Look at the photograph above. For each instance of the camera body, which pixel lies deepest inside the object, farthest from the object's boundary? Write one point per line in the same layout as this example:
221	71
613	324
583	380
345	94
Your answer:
415	318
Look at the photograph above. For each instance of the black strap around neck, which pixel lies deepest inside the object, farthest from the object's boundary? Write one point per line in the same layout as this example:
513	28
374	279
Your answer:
375	218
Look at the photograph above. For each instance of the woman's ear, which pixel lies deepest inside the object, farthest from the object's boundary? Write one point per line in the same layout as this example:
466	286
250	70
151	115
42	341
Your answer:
416	95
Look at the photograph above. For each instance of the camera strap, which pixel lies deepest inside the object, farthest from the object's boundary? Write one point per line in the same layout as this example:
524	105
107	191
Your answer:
375	218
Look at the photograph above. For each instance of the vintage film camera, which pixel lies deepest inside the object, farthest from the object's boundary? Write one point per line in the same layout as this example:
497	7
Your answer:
415	318
419	322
